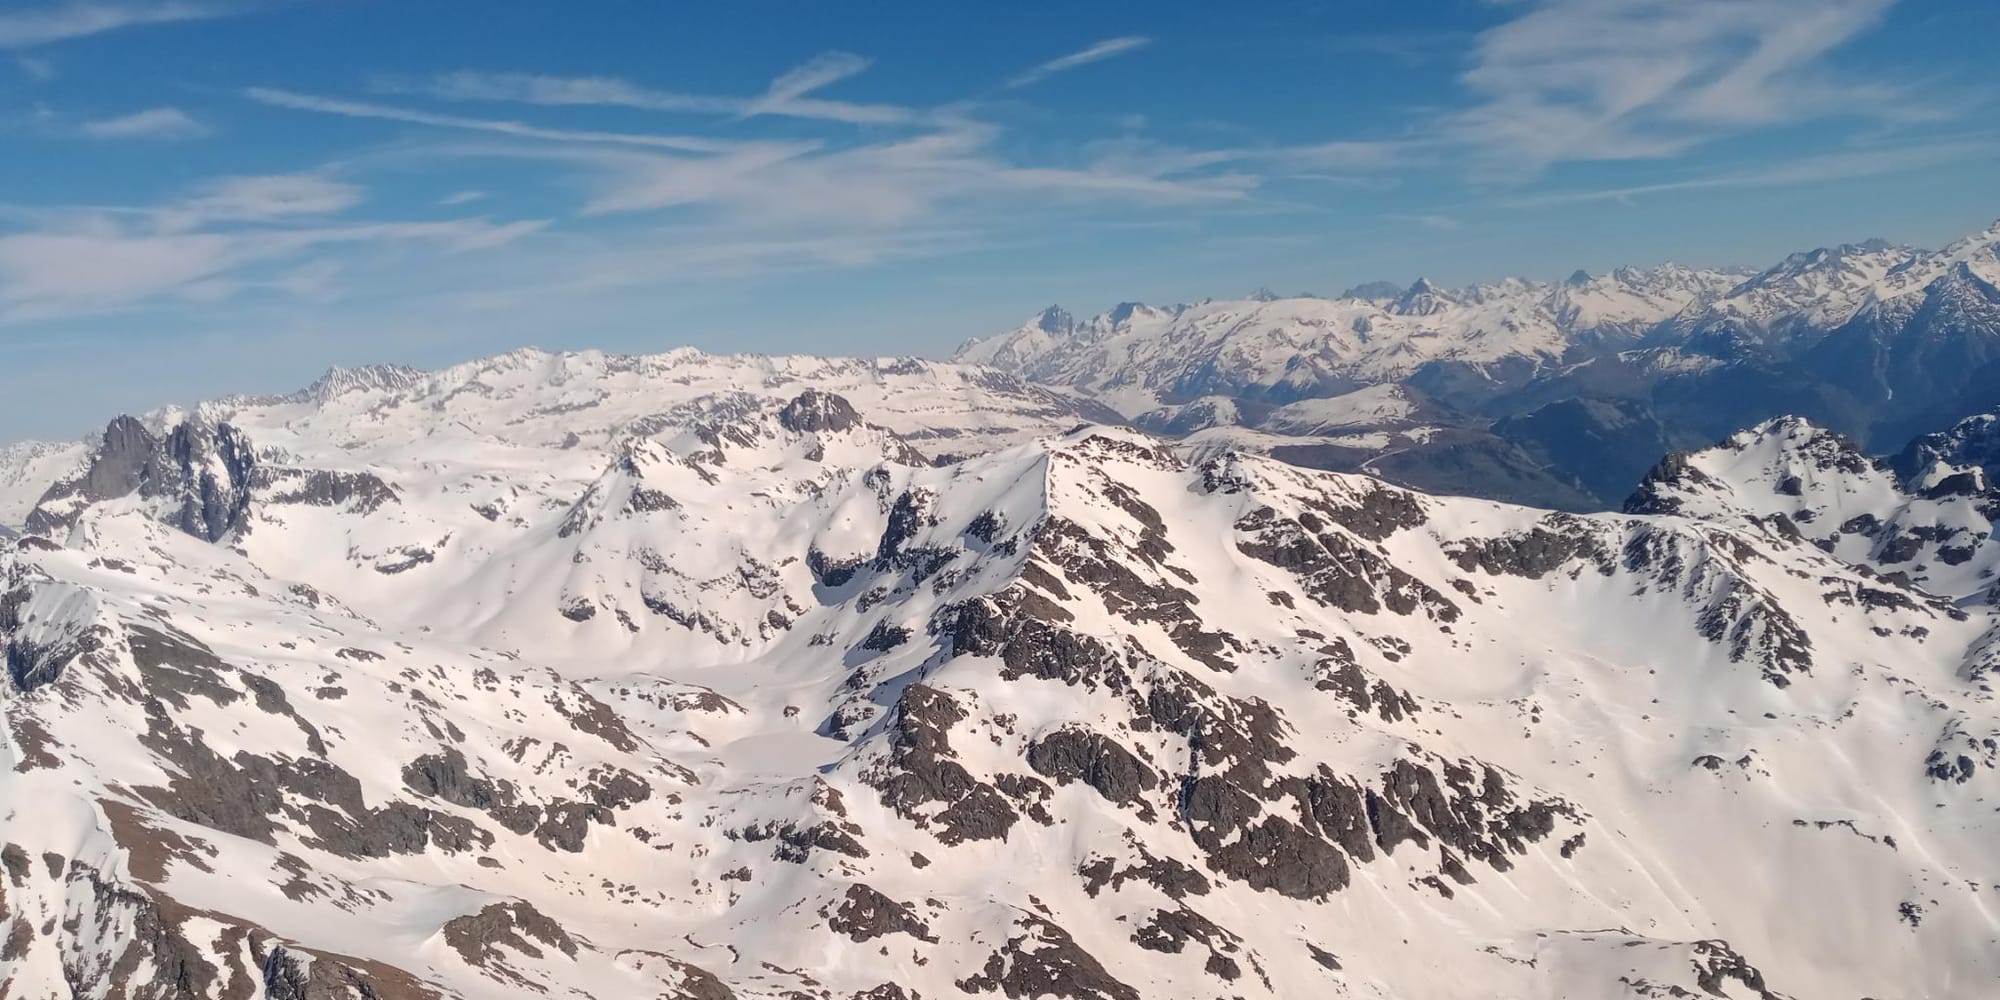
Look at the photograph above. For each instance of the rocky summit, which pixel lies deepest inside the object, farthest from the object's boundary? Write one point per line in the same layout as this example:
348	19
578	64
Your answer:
704	677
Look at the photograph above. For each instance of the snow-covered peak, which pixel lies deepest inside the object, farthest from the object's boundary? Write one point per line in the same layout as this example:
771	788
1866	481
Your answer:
1490	338
1055	319
1018	347
1373	291
529	400
1978	253
1631	298
1968	293
1771	467
814	412
369	378
1808	294
1137	356
1194	415
1370	408
1422	298
1794	480
1964	458
815	427
27	469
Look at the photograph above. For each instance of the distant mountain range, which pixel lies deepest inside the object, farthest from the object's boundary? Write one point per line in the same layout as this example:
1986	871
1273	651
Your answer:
710	677
1559	394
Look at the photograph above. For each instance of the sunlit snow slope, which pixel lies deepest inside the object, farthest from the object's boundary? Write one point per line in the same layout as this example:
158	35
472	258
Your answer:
577	675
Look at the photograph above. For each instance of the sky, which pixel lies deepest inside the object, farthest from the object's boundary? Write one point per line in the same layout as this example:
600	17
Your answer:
200	197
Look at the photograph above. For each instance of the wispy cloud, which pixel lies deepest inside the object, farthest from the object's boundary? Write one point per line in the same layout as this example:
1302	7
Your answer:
1096	53
1359	156
1431	221
520	130
36	68
952	164
1571	80
690	204
27	27
877	187
821	71
51	274
790	95
48	275
1836	166
152	123
1407	47
659	207
225	237
266	197
701	253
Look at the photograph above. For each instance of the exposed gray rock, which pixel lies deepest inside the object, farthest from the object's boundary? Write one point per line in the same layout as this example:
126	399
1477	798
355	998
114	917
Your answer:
813	412
1073	754
200	474
1045	961
865	914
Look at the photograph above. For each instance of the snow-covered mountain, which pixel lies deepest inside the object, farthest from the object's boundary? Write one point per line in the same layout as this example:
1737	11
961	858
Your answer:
28	468
702	677
1808	294
1800	296
1137	356
1577	383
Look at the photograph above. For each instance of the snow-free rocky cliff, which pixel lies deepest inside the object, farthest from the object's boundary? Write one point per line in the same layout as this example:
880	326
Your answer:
695	677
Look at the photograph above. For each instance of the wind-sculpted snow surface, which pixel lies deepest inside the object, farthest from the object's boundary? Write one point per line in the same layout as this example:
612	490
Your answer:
737	694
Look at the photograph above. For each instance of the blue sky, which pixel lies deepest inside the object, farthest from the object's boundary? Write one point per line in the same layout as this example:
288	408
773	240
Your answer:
202	197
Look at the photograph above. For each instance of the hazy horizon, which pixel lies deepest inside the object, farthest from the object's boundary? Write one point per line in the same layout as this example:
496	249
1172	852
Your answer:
216	198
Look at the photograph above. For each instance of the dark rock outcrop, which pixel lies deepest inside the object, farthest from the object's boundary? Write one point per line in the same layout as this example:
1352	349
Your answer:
199	473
